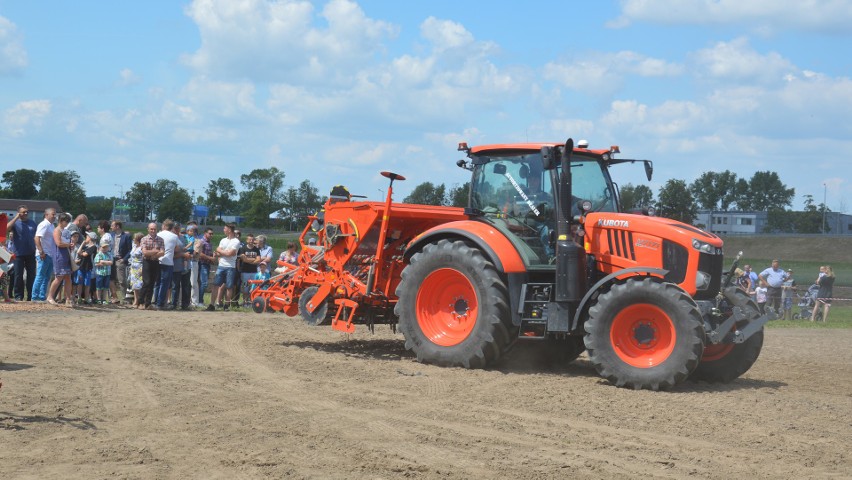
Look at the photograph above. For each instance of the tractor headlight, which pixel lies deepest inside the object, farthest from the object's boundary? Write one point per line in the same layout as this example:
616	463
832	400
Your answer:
703	247
702	280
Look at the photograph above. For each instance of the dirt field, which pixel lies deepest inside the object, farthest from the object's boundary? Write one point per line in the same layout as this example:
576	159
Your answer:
95	393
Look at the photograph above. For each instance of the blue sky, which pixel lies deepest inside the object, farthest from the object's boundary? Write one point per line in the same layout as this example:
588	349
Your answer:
336	91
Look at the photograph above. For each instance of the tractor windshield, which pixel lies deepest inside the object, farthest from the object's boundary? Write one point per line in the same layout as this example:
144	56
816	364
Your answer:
513	192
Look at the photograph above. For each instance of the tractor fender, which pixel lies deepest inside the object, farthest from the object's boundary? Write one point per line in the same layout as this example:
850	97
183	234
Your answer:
496	247
633	272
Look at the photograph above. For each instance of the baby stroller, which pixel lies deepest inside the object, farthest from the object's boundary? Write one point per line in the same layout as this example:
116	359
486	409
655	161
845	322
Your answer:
806	304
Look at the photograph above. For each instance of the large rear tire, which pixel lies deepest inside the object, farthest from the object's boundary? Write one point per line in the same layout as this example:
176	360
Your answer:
643	334
727	361
321	315
453	307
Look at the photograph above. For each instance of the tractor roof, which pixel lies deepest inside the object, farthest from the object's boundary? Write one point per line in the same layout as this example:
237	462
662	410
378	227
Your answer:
528	147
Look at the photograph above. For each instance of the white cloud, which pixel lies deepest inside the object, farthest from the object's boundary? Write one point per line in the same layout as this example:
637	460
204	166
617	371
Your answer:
32	113
604	73
445	34
13	56
762	16
128	77
268	40
737	61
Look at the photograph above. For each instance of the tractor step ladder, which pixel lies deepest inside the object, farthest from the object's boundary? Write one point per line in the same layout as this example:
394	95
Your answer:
533	309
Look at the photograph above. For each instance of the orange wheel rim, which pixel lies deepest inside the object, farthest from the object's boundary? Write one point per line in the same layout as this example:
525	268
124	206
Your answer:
715	352
643	335
446	307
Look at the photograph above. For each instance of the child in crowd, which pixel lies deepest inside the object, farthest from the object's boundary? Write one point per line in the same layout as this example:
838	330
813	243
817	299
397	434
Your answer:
4	281
262	274
760	295
787	293
103	266
85	261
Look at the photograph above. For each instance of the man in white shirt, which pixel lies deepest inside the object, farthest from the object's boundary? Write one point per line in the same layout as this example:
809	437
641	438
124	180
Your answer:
45	250
225	279
167	263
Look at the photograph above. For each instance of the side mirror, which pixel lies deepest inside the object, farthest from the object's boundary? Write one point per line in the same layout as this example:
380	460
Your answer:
649	169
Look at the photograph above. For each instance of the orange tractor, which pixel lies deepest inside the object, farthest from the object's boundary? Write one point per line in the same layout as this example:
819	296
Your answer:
541	253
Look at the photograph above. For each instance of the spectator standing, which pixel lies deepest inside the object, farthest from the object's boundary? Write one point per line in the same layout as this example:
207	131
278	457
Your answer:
10	267
123	244
135	274
86	260
45	251
191	241
266	252
205	259
774	277
760	294
826	291
106	237
226	272
103	271
249	256
238	280
167	262
788	292
262	273
80	225
290	255
64	239
180	277
25	252
153	248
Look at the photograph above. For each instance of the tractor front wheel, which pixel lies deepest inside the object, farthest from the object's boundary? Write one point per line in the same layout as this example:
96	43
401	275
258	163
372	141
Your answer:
644	334
453	307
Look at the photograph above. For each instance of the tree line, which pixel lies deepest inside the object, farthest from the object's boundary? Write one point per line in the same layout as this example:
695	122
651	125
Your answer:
263	193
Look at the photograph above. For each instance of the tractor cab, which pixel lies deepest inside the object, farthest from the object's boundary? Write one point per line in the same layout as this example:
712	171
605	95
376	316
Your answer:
514	188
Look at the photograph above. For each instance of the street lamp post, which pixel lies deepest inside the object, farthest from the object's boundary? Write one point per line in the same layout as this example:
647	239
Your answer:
824	193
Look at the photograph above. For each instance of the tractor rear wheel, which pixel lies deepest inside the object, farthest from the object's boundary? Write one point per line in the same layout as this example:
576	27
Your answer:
321	315
727	361
643	334
453	307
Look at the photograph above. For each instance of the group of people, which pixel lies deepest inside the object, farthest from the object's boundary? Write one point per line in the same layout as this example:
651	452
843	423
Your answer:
774	289
64	261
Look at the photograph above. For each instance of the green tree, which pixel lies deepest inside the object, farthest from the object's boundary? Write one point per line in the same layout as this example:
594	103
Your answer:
427	194
263	194
676	202
140	197
99	208
177	205
221	196
66	188
458	195
299	202
715	190
764	192
635	197
22	183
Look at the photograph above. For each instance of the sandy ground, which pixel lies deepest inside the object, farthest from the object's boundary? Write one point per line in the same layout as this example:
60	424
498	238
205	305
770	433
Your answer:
115	393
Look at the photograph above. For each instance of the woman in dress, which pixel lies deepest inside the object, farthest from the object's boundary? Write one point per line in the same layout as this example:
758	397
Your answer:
136	269
826	287
62	260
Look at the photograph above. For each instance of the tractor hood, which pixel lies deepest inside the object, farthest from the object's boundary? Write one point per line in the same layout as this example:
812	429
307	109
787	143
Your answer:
621	240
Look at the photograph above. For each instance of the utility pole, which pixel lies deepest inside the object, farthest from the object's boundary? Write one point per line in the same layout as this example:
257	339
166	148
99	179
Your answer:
824	193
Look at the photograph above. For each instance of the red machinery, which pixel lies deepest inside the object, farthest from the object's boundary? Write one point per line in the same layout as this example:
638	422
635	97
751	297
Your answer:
543	253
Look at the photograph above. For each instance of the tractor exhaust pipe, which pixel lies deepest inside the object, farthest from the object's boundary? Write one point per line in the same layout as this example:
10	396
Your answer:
570	257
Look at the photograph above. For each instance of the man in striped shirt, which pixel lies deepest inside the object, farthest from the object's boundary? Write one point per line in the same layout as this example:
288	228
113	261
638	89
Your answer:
153	248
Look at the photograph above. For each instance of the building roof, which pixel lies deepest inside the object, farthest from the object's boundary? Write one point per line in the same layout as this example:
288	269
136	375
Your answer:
12	204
